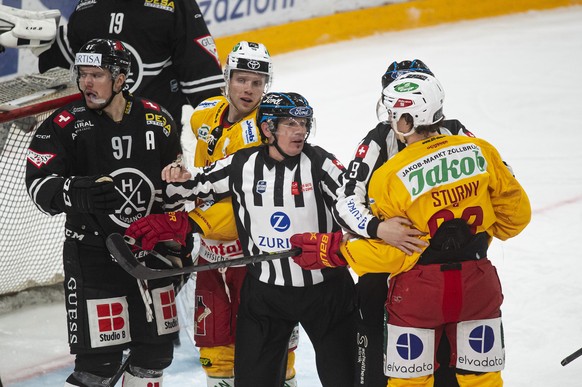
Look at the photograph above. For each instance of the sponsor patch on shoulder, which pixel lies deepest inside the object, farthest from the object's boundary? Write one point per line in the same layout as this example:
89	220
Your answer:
249	132
150	105
39	159
206	104
207	43
165	5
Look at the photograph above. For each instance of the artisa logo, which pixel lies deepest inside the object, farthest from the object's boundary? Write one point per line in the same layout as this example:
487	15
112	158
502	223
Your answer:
88	59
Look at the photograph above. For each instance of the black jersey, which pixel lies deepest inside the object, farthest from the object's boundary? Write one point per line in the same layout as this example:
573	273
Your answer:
174	57
380	144
77	141
272	201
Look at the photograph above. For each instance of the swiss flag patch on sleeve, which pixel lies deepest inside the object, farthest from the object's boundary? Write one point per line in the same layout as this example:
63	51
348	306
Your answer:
63	119
362	150
150	105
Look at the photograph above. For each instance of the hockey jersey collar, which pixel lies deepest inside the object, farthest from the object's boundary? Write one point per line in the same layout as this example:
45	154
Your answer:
289	162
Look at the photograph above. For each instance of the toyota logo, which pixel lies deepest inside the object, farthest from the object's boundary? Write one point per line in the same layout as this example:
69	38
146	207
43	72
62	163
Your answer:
253	64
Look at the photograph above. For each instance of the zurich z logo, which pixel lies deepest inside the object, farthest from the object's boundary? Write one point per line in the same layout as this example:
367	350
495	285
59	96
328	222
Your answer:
280	221
409	346
482	339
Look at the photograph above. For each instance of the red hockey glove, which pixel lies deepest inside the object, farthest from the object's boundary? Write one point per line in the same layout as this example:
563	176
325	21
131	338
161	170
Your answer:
160	227
319	250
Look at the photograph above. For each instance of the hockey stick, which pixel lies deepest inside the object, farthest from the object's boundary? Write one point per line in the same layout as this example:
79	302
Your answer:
571	357
115	378
122	253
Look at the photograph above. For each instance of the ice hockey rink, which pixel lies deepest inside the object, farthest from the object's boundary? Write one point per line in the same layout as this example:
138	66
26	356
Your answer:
513	80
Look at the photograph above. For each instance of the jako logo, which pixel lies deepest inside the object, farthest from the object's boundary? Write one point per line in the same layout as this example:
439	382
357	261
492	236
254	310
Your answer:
409	346
482	339
280	221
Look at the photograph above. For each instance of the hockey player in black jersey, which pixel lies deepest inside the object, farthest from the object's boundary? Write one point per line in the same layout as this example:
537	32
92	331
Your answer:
352	212
174	57
278	189
98	161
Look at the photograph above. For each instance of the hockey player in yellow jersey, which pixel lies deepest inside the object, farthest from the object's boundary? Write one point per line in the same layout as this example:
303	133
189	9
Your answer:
219	127
458	191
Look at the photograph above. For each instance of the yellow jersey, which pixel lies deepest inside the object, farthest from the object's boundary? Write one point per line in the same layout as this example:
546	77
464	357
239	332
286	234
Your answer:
435	180
214	142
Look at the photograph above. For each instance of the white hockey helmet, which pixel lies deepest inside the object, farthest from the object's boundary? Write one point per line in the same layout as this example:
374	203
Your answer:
419	94
249	56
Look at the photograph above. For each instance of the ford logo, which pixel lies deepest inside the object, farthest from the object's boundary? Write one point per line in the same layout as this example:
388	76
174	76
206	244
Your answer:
301	111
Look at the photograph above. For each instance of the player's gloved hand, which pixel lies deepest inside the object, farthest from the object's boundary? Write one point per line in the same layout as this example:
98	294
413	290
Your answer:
91	194
319	250
154	228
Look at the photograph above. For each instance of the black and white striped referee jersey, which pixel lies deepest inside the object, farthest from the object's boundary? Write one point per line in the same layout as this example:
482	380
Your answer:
380	144
272	200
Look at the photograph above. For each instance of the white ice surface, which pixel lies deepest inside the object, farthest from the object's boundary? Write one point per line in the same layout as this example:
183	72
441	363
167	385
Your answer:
515	81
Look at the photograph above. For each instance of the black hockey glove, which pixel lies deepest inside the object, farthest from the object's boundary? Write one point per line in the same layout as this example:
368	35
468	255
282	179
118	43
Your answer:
91	194
177	256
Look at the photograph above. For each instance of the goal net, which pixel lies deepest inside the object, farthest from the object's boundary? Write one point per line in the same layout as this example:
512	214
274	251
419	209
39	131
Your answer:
30	242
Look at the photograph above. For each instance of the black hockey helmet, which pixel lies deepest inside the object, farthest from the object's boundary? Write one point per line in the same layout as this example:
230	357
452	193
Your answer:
105	53
396	69
277	105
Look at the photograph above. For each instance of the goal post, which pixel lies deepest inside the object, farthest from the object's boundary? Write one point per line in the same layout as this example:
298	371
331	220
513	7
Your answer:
30	242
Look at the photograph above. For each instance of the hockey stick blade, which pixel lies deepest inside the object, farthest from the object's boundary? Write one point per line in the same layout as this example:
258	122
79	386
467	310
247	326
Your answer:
571	357
123	255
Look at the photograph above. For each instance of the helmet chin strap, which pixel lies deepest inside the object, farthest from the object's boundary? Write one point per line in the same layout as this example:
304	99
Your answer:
113	94
276	145
403	137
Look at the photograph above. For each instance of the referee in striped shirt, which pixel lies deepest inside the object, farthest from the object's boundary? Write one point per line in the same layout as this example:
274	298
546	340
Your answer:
283	187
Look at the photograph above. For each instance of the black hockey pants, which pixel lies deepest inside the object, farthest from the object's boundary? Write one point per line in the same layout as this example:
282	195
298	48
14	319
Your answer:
267	316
